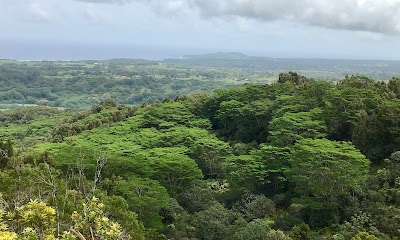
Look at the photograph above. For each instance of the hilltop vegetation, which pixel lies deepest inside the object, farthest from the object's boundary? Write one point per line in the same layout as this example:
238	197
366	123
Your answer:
297	159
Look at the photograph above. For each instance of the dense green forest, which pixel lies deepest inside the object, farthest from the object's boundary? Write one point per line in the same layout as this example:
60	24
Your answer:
296	159
82	84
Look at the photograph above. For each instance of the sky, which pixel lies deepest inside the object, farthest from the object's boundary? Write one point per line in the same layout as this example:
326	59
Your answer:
84	29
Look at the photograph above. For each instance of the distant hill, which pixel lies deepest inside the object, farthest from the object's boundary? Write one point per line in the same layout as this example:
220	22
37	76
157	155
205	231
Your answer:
219	55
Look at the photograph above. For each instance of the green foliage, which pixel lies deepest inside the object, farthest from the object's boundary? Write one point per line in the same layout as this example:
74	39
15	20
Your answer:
36	220
118	208
92	223
29	125
197	198
290	218
255	207
106	113
213	223
170	167
79	85
292	127
364	236
303	156
360	222
322	170
246	122
394	86
145	197
246	172
210	154
277	235
27	114
300	232
291	77
255	230
6	152
262	167
167	115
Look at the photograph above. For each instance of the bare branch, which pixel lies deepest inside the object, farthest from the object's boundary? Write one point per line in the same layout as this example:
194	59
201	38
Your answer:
78	234
100	163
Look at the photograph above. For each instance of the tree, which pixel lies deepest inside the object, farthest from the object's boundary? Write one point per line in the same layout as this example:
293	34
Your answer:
246	172
92	223
342	105
227	116
394	86
292	127
246	121
364	236
314	93
291	77
277	235
300	232
36	221
255	230
357	81
210	154
322	170
117	208
163	116
197	198
214	223
260	168
388	115
145	197
255	206
276	162
6	152
174	170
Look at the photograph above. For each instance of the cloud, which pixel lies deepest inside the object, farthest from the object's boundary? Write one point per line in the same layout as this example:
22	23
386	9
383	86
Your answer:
28	11
38	13
173	7
107	1
378	16
94	17
381	16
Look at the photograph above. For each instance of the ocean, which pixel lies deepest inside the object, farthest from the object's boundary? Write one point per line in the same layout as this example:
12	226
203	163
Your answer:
19	50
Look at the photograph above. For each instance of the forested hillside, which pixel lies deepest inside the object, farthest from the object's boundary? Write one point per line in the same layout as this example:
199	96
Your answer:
81	84
297	159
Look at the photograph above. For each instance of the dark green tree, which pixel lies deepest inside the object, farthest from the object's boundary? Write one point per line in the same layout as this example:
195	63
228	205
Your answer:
323	170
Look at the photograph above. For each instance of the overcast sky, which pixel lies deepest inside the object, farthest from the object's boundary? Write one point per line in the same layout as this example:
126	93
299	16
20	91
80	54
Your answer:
358	29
